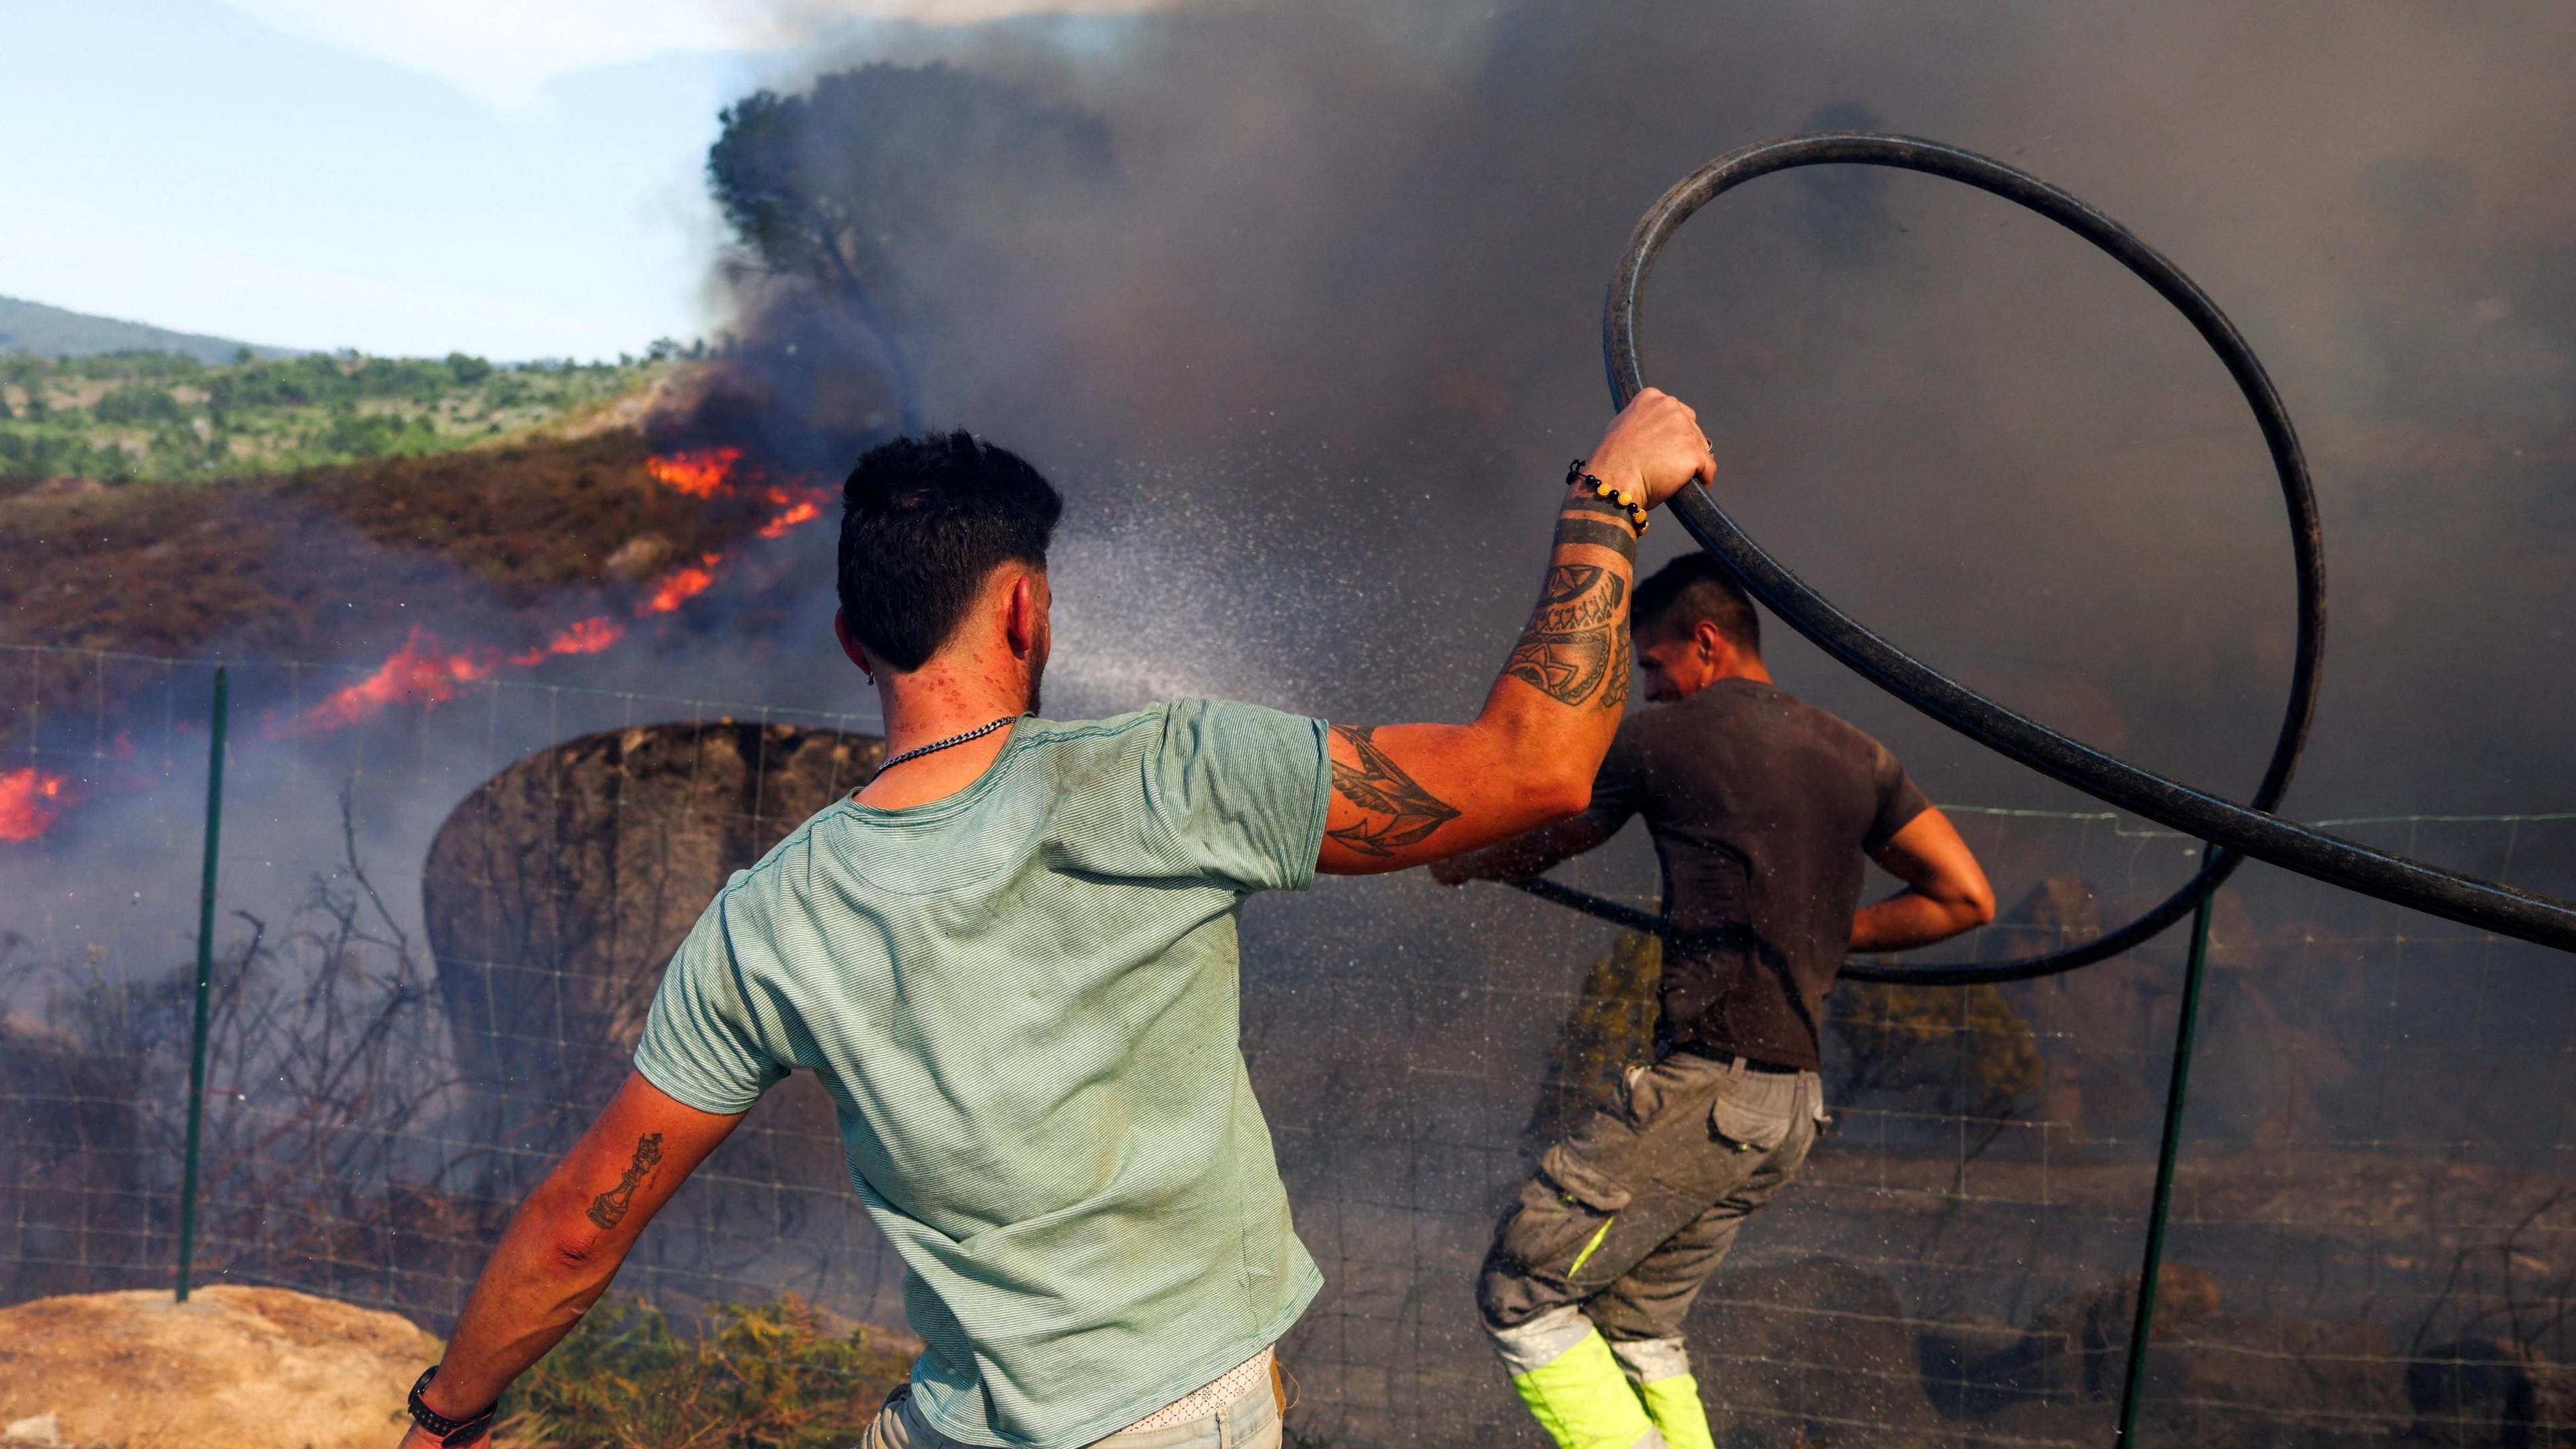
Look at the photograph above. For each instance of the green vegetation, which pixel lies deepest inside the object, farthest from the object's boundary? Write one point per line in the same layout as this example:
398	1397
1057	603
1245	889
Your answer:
773	1377
1610	1029
1965	1045
165	416
1958	1051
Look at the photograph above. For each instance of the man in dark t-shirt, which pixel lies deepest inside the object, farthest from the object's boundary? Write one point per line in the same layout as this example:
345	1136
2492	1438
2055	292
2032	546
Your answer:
1764	810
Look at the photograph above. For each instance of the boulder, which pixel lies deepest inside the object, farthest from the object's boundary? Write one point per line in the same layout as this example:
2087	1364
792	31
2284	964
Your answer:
232	1368
1814	1351
2095	1026
2075	1349
555	894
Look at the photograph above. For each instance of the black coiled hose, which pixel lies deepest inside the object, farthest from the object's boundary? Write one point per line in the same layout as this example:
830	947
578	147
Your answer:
2238	830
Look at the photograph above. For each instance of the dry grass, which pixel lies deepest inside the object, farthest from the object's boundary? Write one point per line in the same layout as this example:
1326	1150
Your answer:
159	568
778	1376
529	519
302	566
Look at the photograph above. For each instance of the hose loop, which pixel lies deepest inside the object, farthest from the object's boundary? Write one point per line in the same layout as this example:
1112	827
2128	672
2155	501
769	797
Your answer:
2239	831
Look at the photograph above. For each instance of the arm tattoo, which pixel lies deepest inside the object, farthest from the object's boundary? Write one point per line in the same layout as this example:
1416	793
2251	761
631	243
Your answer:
1578	634
1588	519
609	1208
1620	537
1379	786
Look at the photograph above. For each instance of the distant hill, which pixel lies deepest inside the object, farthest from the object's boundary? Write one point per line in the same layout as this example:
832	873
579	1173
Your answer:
54	332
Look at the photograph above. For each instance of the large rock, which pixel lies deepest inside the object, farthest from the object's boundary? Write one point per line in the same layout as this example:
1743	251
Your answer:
1809	1352
2074	1351
232	1368
2095	1026
554	897
556	893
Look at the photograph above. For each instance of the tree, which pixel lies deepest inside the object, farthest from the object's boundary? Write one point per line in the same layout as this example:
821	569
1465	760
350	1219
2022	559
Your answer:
870	173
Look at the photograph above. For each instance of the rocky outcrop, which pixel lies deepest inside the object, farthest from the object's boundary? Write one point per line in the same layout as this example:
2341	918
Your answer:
1811	1352
556	893
232	1368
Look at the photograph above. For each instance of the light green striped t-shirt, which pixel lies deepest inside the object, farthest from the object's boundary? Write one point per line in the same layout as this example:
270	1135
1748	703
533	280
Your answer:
1023	1001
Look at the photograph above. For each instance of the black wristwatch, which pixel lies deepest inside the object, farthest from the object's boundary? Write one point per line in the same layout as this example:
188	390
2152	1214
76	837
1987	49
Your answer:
450	1432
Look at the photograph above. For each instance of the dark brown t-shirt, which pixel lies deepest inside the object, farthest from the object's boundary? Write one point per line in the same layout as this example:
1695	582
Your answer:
1763	809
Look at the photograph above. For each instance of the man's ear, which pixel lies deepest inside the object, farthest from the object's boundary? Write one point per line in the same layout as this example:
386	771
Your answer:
1022	609
850	644
1713	644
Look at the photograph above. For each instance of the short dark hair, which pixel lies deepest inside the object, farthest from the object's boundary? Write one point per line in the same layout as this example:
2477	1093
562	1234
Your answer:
1693	590
924	521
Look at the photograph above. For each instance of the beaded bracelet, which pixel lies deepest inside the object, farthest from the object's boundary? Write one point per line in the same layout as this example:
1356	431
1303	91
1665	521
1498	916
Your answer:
1574	474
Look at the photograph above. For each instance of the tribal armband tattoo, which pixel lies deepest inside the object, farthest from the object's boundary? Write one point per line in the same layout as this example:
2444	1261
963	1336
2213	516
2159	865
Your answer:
1575	650
1599	522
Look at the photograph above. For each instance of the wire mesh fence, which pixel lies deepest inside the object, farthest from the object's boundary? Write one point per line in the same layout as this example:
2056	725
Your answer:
446	899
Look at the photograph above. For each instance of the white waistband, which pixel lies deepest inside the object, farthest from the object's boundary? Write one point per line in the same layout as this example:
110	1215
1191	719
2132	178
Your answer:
1238	1381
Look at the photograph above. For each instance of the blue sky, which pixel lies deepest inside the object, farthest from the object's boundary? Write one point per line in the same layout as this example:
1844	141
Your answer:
294	172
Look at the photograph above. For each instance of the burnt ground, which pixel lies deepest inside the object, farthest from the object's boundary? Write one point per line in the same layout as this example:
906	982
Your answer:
268	565
499	545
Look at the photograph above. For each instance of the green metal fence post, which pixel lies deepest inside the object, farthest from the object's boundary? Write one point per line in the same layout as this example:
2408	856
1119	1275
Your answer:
2175	1092
219	714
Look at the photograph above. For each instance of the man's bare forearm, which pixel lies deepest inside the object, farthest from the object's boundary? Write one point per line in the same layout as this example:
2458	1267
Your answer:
1909	919
565	1243
553	1262
1575	648
1574	656
1409	794
1405	794
1946	891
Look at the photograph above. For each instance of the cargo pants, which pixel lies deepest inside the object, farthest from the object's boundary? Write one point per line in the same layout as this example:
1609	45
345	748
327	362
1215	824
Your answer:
1626	1219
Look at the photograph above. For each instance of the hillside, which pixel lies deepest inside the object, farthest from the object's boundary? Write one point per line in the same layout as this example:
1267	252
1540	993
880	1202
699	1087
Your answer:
33	327
166	417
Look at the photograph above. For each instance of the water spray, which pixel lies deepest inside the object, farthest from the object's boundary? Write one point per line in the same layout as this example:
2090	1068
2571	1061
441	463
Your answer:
2234	832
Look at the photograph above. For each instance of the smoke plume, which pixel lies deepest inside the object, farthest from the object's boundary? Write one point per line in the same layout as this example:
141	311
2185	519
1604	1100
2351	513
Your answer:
1326	324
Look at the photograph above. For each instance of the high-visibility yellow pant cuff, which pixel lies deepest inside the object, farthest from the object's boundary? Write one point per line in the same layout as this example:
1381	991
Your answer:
1584	1401
1674	1405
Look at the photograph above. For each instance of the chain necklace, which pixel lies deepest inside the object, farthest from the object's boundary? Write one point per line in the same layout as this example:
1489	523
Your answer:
935	746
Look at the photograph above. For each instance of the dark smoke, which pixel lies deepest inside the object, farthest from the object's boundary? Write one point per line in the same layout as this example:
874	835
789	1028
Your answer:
1308	336
1312	354
1326	326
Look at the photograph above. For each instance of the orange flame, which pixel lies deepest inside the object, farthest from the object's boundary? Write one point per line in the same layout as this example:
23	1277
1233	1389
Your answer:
699	472
417	671
31	800
802	505
582	636
681	585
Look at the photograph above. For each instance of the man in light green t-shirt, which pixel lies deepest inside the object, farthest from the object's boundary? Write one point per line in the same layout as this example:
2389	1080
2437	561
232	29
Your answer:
1011	961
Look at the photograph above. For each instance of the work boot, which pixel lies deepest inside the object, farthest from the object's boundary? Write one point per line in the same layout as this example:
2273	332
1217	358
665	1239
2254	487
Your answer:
1584	1402
1661	1372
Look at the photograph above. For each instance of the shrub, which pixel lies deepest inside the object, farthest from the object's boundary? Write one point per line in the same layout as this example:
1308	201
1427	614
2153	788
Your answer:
137	402
1965	1046
770	1377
